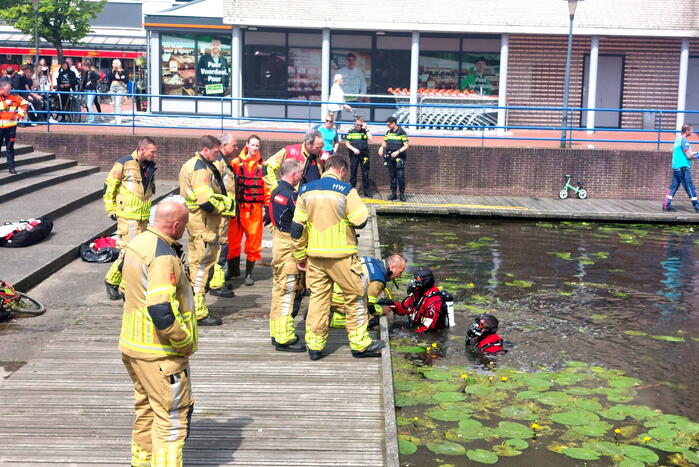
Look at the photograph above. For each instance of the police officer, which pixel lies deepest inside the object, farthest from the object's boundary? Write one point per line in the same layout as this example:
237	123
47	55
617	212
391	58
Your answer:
325	244
158	334
307	153
128	190
204	190
378	272
357	142
393	150
286	276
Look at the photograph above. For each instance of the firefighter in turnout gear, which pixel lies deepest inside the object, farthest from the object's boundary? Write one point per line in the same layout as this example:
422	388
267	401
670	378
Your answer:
158	334
307	153
252	195
217	284
12	109
393	150
128	191
206	197
357	142
287	286
327	213
378	273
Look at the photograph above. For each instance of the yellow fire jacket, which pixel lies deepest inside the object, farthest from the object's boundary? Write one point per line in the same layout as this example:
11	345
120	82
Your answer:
129	188
158	317
327	212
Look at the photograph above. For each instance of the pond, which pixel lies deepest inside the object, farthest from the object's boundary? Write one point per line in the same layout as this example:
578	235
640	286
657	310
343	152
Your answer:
602	326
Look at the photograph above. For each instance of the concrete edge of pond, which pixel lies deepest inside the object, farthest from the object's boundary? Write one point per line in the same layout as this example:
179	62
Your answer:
390	428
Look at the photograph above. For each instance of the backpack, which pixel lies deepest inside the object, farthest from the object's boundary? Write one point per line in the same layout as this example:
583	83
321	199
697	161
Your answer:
100	250
25	232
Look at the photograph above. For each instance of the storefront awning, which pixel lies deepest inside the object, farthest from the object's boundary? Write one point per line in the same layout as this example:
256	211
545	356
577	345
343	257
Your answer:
102	45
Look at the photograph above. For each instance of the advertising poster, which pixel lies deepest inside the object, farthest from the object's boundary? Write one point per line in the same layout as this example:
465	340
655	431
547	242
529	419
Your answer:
213	66
481	73
304	73
438	70
178	65
355	68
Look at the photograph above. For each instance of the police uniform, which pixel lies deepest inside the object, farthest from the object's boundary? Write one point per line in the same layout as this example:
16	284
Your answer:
218	279
323	232
378	275
395	140
158	332
204	191
285	274
311	166
128	191
359	139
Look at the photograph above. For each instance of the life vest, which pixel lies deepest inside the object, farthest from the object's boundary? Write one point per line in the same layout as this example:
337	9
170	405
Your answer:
248	179
491	344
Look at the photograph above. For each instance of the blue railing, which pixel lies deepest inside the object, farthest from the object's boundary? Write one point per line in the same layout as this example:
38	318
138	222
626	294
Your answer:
443	119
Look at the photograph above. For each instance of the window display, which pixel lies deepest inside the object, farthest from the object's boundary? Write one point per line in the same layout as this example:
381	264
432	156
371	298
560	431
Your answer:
355	68
480	73
213	66
177	64
196	65
265	72
438	70
304	69
392	70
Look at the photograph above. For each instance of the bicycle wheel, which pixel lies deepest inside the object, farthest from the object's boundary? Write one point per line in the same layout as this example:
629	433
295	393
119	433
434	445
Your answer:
75	114
27	306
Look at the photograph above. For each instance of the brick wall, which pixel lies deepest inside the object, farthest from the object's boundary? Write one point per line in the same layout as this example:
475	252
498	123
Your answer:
445	169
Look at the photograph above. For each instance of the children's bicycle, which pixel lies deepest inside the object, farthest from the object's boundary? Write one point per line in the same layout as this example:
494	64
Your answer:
579	190
17	303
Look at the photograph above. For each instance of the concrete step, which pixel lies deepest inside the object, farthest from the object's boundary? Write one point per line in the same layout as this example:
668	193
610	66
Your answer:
71	195
19	149
27	267
37	168
29	158
21	187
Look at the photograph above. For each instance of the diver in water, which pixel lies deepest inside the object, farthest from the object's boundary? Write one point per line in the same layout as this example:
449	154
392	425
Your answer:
426	306
482	336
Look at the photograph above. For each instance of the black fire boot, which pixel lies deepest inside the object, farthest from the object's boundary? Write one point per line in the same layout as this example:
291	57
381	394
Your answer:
249	266
233	268
393	196
209	321
113	291
402	196
222	292
294	345
374	350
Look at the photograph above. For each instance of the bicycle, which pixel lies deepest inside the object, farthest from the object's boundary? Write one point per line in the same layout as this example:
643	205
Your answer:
579	190
17	303
69	111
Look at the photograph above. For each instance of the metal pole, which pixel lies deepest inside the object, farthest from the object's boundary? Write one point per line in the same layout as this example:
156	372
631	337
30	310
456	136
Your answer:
35	4
566	86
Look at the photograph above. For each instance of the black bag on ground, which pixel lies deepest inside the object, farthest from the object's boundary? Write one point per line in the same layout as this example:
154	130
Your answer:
103	255
25	233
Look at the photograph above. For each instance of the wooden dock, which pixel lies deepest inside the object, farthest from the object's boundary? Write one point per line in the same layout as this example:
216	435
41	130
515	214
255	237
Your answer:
72	404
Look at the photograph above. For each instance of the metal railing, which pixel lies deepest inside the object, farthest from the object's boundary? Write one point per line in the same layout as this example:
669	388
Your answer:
469	121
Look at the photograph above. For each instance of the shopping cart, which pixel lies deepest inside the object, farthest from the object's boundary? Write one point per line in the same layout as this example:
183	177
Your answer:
449	112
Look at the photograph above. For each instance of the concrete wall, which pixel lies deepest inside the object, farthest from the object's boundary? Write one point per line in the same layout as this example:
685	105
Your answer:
446	169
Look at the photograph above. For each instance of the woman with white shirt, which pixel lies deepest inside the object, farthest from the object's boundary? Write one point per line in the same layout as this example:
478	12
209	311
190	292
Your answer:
337	97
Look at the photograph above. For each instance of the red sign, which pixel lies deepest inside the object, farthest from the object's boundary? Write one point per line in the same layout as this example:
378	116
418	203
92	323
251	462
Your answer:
70	52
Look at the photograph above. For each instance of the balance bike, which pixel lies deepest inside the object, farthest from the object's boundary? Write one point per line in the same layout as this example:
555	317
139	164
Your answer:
579	190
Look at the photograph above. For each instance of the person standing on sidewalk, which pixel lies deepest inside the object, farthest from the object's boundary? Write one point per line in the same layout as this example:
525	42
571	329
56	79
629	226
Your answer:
204	191
325	245
88	82
118	80
251	195
393	150
12	109
681	170
357	143
158	335
128	191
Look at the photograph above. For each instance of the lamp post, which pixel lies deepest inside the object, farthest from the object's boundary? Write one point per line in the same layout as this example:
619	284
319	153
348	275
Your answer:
572	4
35	4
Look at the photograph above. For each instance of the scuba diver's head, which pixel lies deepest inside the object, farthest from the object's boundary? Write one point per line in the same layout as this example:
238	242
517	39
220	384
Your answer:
422	281
484	325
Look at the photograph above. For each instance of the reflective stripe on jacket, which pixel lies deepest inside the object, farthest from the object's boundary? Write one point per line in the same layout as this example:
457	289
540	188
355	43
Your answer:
202	186
158	317
129	188
12	108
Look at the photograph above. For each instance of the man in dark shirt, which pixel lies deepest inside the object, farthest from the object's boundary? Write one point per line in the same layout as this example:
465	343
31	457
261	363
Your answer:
357	142
393	150
66	81
14	78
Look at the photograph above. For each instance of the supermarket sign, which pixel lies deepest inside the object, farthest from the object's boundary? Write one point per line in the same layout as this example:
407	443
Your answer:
70	52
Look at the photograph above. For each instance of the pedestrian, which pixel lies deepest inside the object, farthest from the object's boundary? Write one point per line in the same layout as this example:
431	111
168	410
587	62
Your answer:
331	140
229	151
128	194
158	335
66	82
251	195
286	278
12	109
117	79
88	82
393	150
357	143
325	246
207	199
29	84
15	78
307	153
337	99
682	156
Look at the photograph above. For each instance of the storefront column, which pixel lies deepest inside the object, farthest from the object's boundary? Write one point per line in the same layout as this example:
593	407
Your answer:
682	87
325	72
414	62
502	86
236	72
592	84
154	70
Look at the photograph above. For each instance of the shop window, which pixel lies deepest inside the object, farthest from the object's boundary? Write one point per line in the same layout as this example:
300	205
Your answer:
391	70
265	72
304	69
480	72
177	65
438	70
355	68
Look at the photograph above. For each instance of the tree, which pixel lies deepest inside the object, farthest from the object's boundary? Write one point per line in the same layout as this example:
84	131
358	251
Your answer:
59	20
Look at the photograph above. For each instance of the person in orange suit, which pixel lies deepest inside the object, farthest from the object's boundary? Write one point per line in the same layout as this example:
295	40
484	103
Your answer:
253	199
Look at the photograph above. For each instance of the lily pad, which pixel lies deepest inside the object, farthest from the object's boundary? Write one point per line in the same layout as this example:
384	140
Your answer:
581	453
470	424
691	456
640	453
605	448
483	456
406	385
529	394
518	412
506	451
575	417
447	386
447	448
520	283
665	445
513	430
593	429
669	338
436	374
662	432
635	333
409	349
448	415
555	398
406	448
449	396
623	382
626	462
613	414
519	444
588	404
